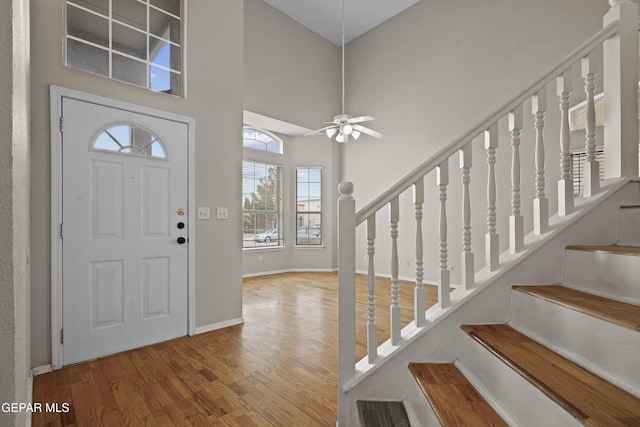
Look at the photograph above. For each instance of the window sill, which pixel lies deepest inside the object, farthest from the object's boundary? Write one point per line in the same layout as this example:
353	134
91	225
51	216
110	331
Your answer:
263	249
308	247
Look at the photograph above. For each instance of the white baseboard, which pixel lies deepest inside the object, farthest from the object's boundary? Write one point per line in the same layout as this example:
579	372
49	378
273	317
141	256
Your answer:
39	370
219	325
290	270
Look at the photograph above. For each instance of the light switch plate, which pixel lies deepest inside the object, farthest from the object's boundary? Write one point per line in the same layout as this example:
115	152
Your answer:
222	213
204	213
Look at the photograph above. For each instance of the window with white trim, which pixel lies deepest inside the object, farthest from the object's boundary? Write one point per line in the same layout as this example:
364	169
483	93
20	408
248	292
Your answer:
262	190
136	41
309	206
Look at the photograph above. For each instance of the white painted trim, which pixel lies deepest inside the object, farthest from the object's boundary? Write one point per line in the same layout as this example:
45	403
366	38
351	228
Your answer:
41	370
29	398
290	270
219	325
56	95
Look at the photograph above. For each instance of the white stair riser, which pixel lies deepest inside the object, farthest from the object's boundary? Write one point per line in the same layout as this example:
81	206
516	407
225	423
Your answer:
629	226
606	349
518	399
611	275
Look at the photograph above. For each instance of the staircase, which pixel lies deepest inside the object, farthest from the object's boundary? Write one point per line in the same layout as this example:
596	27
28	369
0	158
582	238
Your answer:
566	357
525	355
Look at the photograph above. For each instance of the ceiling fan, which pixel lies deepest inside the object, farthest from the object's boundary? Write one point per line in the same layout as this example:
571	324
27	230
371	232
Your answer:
343	125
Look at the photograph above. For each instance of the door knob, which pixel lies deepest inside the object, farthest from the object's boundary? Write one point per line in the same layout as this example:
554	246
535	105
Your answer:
181	225
181	240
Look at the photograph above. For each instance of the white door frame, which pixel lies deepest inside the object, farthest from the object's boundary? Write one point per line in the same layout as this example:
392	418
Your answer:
56	96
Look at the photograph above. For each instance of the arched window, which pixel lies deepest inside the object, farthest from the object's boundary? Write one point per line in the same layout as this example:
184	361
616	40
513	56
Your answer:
262	190
130	140
261	140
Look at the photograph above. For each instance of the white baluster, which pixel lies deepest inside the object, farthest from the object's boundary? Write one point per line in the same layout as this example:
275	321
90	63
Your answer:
468	268
492	240
372	328
564	84
419	292
442	180
394	216
540	203
591	174
516	221
346	294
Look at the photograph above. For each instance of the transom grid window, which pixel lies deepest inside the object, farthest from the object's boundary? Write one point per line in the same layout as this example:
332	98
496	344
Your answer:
136	41
260	140
309	206
130	140
262	202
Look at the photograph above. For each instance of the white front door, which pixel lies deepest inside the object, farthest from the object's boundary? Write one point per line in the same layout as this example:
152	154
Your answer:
125	229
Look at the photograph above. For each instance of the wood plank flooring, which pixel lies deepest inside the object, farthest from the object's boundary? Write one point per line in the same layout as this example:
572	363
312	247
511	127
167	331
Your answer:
277	369
454	400
620	313
590	399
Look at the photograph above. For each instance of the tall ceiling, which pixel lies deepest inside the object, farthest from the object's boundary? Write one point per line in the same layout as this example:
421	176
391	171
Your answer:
325	16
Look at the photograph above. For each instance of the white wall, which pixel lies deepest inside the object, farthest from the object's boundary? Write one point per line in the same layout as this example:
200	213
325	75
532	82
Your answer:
214	44
14	209
433	72
291	74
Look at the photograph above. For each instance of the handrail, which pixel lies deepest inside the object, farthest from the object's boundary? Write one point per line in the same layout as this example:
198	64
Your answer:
442	155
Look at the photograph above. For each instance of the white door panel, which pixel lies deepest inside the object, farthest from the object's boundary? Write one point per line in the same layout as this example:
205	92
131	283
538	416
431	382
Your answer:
125	276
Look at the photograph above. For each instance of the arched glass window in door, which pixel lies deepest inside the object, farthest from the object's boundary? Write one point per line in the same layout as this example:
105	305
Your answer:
130	140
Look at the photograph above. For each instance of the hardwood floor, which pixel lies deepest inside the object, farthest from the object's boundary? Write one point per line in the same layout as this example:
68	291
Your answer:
277	369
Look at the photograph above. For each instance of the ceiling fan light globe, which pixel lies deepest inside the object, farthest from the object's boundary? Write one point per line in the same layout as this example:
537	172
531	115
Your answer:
342	137
355	134
331	131
347	129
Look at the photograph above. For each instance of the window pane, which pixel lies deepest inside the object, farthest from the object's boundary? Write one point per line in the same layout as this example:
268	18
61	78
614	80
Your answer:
262	204
164	26
88	58
164	80
261	141
130	12
136	31
128	139
129	41
171	6
309	206
99	6
87	26
165	54
129	70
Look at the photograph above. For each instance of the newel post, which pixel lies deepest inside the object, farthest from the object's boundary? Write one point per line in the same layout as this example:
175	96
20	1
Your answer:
620	82
346	297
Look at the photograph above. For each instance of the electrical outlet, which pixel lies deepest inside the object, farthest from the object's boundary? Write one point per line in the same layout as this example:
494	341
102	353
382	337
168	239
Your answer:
204	213
222	213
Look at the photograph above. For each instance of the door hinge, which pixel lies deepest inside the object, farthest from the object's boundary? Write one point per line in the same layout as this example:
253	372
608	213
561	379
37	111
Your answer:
62	231
61	124
61	336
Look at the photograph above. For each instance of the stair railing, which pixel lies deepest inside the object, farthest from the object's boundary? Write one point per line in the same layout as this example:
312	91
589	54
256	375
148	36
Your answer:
619	42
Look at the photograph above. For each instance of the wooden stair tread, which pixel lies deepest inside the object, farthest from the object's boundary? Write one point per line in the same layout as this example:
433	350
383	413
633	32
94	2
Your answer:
612	249
589	398
620	313
453	399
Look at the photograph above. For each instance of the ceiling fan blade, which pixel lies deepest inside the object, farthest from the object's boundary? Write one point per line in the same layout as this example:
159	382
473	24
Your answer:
360	119
368	131
321	130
